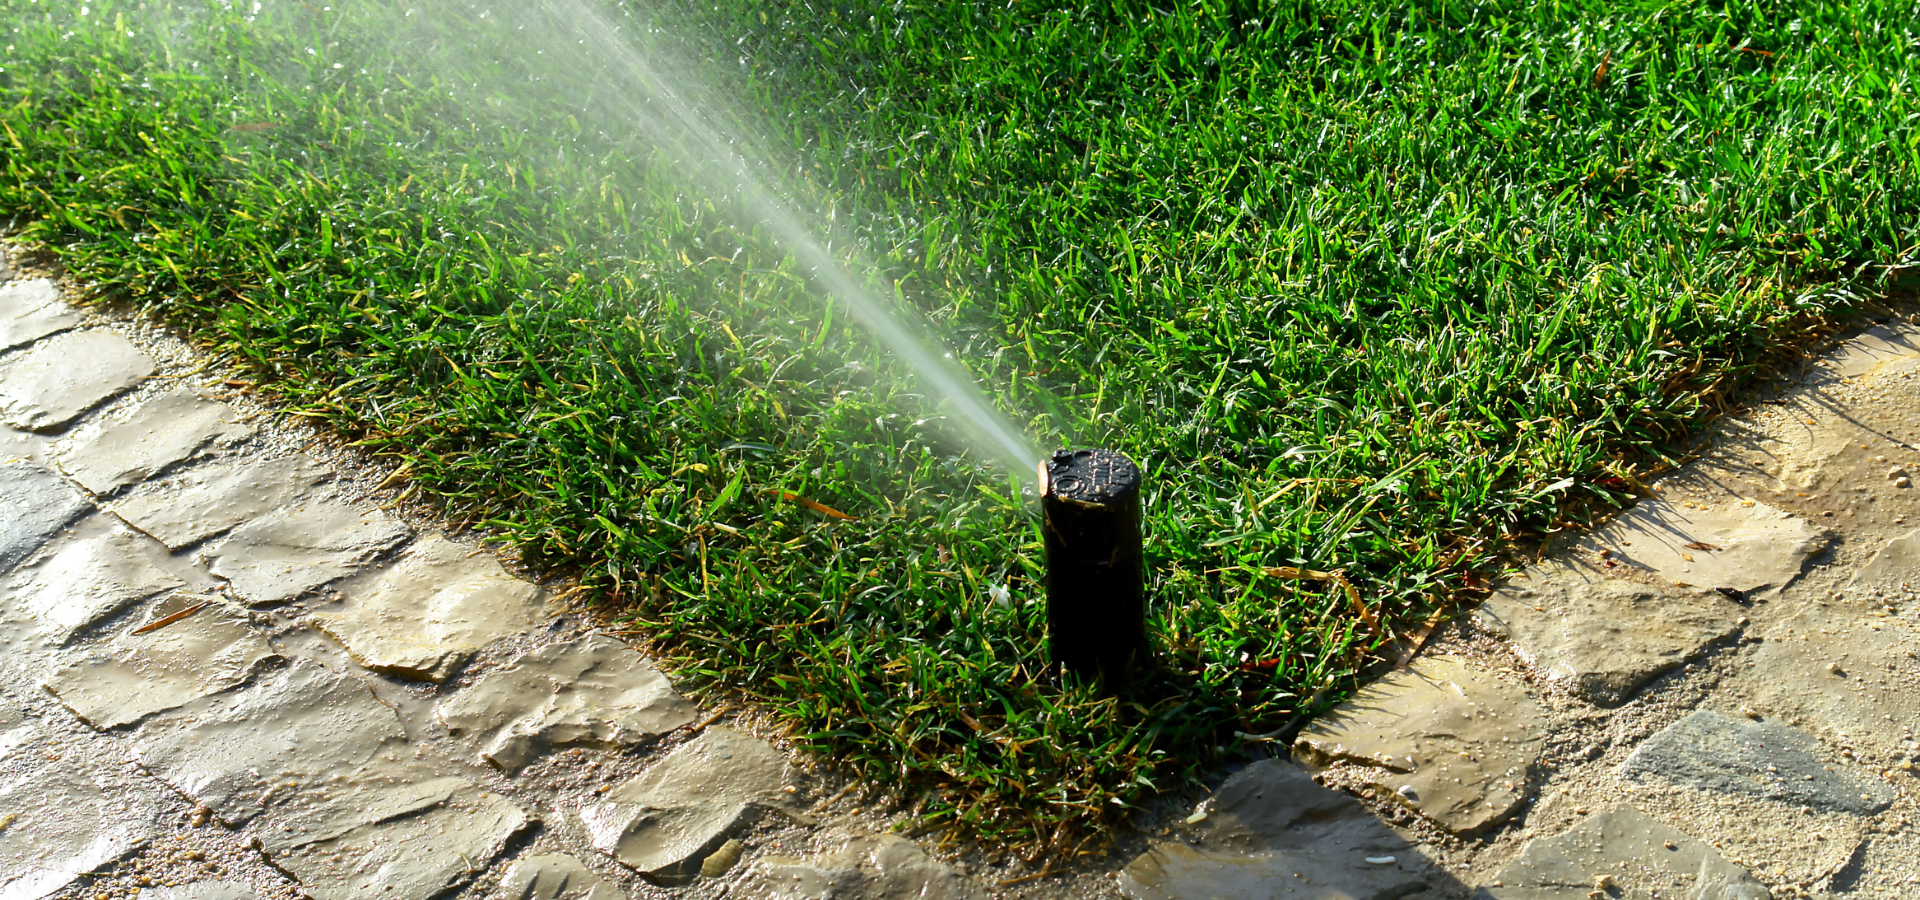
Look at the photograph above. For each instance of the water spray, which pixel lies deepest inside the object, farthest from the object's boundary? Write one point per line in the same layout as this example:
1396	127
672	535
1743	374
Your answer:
1096	577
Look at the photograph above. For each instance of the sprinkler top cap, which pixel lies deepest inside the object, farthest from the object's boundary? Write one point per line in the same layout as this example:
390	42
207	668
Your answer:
1091	476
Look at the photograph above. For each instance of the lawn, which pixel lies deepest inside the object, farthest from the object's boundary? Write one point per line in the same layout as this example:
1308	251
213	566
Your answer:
1382	289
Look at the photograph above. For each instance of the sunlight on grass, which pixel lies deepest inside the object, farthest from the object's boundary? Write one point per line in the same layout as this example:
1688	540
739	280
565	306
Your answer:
1364	287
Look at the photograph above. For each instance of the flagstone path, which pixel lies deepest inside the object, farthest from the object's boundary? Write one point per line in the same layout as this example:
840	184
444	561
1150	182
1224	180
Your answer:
229	670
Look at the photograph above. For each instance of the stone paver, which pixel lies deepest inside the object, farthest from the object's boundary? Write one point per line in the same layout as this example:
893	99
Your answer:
428	612
1713	751
883	867
1838	669
57	380
34	505
427	838
1622	853
85	579
666	820
207	890
553	876
298	548
1606	638
1271	832
595	691
204	501
162	431
1450	741
60	822
1728	542
197	646
31	310
1895	568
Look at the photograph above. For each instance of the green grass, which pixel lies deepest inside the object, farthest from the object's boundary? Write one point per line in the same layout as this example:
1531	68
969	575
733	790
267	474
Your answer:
1368	287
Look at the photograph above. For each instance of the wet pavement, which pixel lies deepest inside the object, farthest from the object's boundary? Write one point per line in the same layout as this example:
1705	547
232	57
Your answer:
232	666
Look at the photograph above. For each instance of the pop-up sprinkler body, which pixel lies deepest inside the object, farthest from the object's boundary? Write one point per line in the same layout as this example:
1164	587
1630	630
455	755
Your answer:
1096	591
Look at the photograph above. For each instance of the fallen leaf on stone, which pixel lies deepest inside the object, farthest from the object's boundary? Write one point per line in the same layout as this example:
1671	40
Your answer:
1702	545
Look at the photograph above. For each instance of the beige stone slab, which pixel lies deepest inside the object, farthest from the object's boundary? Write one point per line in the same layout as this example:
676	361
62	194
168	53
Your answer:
553	876
1837	670
442	836
1642	857
32	309
594	691
211	649
881	867
428	612
61	821
668	819
301	547
1450	741
1882	350
1725	542
1894	568
160	432
204	501
1605	638
1270	831
58	379
104	568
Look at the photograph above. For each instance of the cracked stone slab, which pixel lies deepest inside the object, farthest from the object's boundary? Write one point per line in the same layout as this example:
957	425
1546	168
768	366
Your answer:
58	379
1451	742
161	432
206	500
1605	639
594	691
1744	545
299	548
1271	832
60	821
1712	751
197	646
34	505
31	310
553	876
283	739
413	843
431	610
867	868
87	578
666	820
1642	856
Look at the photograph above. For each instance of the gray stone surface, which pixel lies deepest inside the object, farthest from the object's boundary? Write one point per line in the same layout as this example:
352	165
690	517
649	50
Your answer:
594	691
1721	543
31	310
85	579
1712	751
301	547
666	820
34	505
204	501
1605	639
425	614
136	675
882	867
162	431
59	821
1450	741
553	876
1640	856
1271	832
58	379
